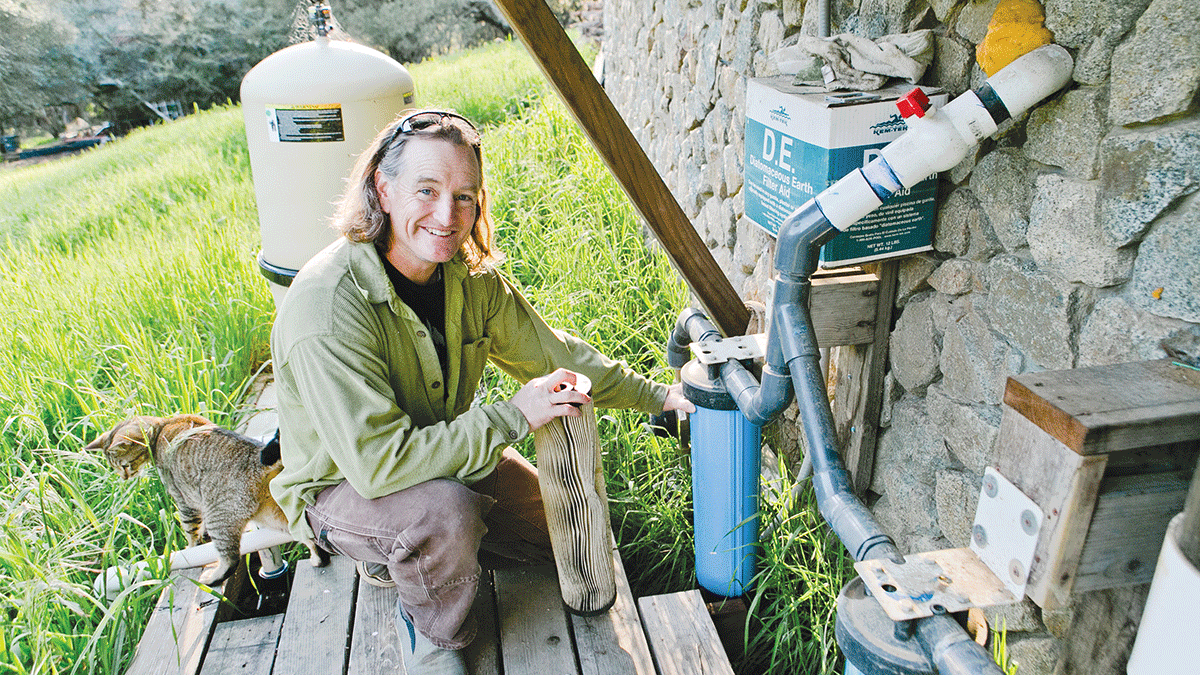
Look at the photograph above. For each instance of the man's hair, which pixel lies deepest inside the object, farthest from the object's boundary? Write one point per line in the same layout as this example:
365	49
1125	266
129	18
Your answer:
361	218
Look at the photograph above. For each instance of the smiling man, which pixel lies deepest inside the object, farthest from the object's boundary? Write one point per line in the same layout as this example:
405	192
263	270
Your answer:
379	348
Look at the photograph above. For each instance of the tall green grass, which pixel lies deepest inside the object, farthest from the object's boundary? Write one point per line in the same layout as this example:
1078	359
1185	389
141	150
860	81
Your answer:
129	285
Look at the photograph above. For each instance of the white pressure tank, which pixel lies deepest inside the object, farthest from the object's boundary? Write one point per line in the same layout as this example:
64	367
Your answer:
310	110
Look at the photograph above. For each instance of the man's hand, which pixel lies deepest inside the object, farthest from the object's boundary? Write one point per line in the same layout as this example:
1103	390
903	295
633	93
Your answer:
544	398
677	401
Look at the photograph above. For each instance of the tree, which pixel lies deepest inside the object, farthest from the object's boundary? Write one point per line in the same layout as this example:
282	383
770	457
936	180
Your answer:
37	67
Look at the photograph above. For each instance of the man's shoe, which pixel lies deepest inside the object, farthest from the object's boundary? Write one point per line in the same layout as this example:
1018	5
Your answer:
375	574
422	657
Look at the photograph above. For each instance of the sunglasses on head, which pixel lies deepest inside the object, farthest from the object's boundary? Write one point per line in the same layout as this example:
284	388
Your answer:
423	119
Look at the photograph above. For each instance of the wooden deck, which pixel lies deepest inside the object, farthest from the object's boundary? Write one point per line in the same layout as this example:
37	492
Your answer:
334	625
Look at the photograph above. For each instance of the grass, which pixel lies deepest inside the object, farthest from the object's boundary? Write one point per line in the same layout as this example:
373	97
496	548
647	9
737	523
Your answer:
130	286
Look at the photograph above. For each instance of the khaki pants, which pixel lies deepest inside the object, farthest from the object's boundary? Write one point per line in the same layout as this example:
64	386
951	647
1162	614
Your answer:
433	537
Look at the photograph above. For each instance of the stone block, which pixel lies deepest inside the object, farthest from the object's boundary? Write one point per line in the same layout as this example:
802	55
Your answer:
1116	332
729	22
955	277
1003	182
1066	239
1066	131
793	13
963	228
951	67
770	31
1034	654
972	20
1035	311
1166	276
956	495
733	169
752	243
909	455
1143	172
1021	617
914	347
975	361
912	276
970	430
1156	71
948	309
1075	22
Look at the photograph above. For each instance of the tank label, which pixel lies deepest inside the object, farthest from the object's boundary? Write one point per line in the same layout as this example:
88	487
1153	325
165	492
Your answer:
321	123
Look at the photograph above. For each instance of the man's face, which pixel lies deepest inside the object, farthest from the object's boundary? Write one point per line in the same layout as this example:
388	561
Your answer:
432	202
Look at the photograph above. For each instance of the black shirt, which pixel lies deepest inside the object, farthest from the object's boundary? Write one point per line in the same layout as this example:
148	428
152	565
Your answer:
429	304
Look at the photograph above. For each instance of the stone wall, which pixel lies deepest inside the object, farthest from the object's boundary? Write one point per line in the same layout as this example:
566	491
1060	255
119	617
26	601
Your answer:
1071	239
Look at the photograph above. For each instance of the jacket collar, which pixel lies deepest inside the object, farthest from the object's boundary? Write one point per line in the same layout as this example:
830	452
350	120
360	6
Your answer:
366	269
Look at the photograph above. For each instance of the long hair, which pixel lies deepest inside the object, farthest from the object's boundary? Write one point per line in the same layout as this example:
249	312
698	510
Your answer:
361	218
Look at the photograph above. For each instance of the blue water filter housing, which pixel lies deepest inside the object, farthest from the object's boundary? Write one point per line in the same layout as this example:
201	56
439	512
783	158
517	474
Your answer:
726	452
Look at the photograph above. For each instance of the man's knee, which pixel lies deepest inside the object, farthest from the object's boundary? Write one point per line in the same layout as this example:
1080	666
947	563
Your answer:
448	510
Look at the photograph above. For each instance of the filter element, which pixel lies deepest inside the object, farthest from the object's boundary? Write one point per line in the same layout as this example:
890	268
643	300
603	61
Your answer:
572	484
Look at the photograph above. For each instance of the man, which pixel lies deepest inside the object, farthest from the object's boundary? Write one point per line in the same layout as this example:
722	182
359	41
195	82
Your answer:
379	348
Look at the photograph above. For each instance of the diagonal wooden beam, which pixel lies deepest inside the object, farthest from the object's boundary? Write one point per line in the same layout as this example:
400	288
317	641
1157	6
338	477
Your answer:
589	105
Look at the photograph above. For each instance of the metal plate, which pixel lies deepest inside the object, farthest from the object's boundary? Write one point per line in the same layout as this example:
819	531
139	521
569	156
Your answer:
934	582
740	348
1007	524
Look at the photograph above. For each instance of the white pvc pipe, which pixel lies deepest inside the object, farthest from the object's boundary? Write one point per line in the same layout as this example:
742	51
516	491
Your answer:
204	554
942	138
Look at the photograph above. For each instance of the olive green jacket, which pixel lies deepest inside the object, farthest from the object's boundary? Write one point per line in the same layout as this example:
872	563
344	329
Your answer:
361	390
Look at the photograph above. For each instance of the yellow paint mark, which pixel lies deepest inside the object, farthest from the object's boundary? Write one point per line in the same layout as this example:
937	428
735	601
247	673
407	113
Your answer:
1157	293
1017	28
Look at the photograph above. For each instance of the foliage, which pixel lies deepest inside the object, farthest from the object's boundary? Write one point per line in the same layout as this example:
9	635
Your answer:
37	66
190	51
129	285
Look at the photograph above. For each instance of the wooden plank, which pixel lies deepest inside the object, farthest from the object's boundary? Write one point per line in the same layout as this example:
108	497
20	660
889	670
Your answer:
1128	527
1064	484
179	628
534	636
316	630
682	636
1108	408
483	655
843	309
243	647
600	121
375	647
858	390
613	642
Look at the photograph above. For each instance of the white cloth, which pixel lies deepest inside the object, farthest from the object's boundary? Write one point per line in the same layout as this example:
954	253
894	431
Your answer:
856	62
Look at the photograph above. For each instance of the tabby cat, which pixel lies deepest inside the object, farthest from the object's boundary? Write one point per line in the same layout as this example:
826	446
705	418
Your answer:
218	479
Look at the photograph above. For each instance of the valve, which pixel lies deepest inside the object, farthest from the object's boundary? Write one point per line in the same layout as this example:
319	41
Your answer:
914	102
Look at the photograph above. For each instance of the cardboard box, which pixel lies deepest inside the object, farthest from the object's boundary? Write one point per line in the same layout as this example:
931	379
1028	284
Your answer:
800	140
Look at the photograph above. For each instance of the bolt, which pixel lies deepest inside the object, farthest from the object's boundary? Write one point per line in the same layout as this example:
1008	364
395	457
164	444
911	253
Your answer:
1029	522
980	535
990	488
1017	571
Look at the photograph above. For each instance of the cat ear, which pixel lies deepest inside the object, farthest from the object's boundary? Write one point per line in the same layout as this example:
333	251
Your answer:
103	440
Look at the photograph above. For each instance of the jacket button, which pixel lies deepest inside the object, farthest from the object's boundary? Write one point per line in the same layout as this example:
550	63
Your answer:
436	385
512	435
420	333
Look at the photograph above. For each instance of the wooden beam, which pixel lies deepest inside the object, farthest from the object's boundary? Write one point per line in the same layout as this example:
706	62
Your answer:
1103	409
245	647
682	635
858	389
613	642
569	74
177	634
534	636
316	633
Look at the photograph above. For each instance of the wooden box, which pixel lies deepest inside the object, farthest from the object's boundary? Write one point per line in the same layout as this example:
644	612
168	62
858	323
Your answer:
1107	453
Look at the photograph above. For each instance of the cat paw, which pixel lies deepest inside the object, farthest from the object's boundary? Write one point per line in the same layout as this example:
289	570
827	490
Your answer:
319	557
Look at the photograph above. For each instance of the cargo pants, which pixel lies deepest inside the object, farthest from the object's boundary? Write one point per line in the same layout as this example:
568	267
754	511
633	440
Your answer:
433	537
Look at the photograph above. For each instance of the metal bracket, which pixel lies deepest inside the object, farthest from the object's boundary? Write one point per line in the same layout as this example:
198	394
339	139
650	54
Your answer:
1005	534
934	582
720	350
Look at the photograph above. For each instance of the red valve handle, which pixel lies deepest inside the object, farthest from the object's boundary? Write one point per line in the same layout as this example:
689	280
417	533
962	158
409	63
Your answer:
914	102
